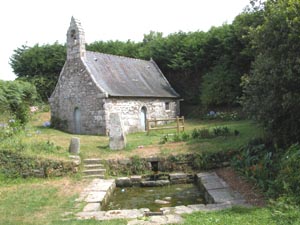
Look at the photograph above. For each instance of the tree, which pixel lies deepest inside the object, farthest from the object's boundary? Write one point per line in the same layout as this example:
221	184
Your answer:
271	92
220	86
16	97
40	65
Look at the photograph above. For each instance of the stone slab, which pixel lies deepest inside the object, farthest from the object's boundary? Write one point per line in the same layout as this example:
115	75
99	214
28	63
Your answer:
122	214
100	185
117	138
183	209
197	207
95	196
206	174
91	207
136	179
222	195
74	147
167	210
168	219
211	183
90	215
155	183
123	182
174	219
177	176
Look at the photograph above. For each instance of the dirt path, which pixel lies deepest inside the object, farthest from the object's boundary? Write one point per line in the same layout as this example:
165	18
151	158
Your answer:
250	192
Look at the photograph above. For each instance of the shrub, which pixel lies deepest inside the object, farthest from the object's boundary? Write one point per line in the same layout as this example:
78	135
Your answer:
201	133
176	138
204	133
16	97
164	139
221	131
289	176
195	133
185	136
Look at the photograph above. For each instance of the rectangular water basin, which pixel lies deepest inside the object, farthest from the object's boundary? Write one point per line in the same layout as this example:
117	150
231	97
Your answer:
155	198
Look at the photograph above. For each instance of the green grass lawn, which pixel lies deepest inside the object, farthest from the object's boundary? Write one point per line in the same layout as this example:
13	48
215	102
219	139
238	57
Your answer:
42	201
234	216
97	146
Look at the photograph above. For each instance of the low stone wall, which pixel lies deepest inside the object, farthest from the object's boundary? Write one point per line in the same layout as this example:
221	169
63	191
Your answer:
157	180
184	162
13	164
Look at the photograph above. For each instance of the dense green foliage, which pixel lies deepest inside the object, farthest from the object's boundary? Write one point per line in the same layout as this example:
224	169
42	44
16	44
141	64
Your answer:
273	169
40	65
271	92
15	99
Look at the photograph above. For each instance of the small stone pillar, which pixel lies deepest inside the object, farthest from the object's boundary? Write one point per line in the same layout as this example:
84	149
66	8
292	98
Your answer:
117	138
74	147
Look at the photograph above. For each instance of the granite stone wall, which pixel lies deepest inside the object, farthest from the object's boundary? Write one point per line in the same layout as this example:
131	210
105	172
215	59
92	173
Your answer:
130	111
76	90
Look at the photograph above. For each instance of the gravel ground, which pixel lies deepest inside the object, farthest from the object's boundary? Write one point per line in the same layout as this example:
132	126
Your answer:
250	192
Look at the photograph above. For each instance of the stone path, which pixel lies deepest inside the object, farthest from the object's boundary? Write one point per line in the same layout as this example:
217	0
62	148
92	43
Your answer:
96	194
217	193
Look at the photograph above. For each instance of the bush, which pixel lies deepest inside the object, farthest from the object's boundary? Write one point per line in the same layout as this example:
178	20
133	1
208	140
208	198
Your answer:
185	136
258	162
289	177
164	139
16	97
221	131
201	133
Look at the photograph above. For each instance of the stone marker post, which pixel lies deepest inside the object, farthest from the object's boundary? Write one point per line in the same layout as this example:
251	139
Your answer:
74	147
117	138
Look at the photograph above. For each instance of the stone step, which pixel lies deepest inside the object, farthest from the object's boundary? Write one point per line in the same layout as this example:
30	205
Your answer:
94	171
93	166
92	161
93	176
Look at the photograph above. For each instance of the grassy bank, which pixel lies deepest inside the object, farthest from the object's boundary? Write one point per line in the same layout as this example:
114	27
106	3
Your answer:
41	201
56	142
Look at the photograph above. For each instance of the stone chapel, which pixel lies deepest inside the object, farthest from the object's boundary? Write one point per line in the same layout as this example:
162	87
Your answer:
92	85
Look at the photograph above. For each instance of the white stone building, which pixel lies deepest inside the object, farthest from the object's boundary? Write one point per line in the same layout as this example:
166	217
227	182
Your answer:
92	85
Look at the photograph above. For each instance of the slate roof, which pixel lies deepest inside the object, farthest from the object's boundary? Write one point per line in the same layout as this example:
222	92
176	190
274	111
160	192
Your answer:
127	77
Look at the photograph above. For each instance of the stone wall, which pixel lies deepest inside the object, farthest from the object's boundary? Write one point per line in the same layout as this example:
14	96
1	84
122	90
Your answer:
130	110
14	164
76	90
173	163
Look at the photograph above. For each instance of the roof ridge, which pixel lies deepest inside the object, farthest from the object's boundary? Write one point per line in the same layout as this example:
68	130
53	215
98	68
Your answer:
120	56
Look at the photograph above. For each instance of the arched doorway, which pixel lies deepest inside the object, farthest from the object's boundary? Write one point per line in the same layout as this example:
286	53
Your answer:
77	119
143	116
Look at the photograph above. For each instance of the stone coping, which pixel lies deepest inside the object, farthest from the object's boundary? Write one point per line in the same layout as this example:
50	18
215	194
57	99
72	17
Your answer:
217	193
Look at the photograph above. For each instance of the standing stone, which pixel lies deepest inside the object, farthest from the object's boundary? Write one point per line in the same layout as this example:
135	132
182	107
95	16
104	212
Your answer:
74	147
117	138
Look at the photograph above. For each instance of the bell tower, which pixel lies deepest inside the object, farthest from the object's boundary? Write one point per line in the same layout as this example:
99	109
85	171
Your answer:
75	40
